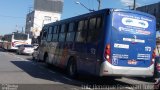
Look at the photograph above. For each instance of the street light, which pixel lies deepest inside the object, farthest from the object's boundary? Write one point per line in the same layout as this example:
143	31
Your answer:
99	4
85	6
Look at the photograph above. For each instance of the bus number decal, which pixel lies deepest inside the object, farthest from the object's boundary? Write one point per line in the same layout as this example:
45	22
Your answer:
147	48
93	51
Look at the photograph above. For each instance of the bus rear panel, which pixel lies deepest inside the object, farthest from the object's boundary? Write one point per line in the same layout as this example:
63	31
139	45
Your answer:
130	50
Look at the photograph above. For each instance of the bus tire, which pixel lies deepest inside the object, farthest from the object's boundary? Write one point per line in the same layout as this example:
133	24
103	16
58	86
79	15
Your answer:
33	58
46	59
72	68
20	53
17	52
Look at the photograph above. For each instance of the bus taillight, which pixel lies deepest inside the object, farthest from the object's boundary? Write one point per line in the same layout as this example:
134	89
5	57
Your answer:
107	53
153	57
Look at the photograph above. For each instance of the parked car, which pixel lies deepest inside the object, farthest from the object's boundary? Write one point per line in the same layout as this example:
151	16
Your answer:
25	49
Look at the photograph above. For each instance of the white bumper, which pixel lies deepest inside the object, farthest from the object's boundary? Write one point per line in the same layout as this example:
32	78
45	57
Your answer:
107	69
27	52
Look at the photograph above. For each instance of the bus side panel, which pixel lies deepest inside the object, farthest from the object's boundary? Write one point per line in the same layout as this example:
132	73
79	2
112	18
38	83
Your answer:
104	40
42	50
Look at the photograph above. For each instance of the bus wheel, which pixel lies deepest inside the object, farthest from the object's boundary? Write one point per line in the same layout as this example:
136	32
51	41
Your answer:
17	52
46	59
33	58
72	68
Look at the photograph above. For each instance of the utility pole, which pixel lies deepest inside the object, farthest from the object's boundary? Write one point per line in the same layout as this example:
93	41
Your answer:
22	30
16	28
99	4
134	5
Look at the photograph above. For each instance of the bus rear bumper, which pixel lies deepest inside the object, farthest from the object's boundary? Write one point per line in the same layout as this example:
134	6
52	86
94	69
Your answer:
107	69
14	48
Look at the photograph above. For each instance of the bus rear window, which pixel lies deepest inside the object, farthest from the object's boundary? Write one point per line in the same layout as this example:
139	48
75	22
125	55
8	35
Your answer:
20	36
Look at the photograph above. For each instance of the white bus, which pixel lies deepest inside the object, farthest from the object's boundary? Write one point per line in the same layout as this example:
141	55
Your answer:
11	41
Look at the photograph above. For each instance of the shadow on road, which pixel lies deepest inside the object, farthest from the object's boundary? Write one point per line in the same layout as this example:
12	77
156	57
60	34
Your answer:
145	79
58	75
2	50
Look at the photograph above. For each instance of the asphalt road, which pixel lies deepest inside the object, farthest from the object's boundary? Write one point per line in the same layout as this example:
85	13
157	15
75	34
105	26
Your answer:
20	72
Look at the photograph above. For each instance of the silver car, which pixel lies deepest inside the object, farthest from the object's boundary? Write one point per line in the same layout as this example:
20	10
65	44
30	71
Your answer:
25	49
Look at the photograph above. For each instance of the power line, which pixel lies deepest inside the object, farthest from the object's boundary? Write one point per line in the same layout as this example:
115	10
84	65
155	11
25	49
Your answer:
11	16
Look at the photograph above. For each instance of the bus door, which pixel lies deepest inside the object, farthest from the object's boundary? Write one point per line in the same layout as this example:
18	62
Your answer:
91	57
87	57
133	40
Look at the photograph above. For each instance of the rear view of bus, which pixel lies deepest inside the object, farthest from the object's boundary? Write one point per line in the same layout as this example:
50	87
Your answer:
130	49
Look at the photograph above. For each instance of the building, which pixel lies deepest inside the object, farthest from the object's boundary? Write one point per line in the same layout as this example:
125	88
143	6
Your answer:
45	11
153	9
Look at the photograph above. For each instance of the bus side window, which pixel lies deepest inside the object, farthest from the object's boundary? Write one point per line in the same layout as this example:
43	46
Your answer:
95	25
86	24
71	32
55	33
44	37
62	34
49	36
81	33
99	23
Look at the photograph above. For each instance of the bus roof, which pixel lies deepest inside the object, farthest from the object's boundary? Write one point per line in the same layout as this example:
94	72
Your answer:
103	11
134	11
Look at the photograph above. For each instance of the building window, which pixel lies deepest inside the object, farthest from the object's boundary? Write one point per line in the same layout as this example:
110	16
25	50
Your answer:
47	18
